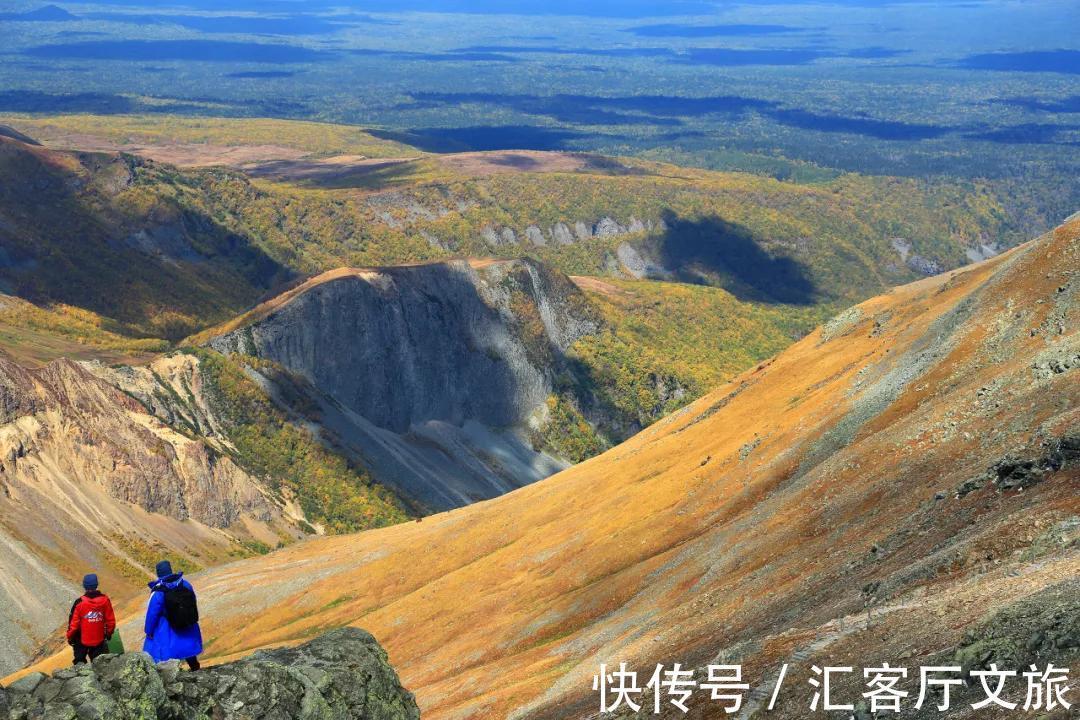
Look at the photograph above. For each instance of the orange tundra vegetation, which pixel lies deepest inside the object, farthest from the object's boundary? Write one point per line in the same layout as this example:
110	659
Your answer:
860	467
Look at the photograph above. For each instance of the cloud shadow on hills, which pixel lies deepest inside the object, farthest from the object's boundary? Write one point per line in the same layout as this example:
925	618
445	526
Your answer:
108	104
665	110
868	127
574	109
1027	134
1055	61
657	110
189	50
680	30
482	138
1070	104
34	101
714	251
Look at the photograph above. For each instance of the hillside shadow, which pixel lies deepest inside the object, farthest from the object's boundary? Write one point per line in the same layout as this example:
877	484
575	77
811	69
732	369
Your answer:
1056	61
1027	134
140	274
714	251
88	102
481	138
868	127
1070	104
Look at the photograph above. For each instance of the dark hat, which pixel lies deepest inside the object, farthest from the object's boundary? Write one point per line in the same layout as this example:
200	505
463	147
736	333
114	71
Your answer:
164	569
90	582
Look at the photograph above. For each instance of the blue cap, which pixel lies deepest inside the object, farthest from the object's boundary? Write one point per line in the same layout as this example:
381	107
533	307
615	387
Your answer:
89	582
164	569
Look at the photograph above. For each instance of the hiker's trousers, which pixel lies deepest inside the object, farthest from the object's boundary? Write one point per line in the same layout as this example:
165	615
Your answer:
84	653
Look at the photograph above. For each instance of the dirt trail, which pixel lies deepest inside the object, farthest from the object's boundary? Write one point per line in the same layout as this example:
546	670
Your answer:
761	694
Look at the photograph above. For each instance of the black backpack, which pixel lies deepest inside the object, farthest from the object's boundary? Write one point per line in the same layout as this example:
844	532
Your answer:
181	609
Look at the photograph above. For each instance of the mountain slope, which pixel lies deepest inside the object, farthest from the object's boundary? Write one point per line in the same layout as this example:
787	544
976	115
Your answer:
917	454
113	467
253	441
90	478
120	237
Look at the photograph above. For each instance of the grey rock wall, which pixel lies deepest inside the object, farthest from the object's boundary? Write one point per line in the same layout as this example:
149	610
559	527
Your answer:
429	374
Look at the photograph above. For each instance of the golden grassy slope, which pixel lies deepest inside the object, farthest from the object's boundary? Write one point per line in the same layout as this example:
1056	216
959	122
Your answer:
759	512
34	336
113	132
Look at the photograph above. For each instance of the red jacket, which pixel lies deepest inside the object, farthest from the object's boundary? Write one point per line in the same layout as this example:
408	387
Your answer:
92	619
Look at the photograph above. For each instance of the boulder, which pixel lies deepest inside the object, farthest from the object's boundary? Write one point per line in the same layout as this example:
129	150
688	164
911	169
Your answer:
490	237
607	227
535	235
342	674
561	234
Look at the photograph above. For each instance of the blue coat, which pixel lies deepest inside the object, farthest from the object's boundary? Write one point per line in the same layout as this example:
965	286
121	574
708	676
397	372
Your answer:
162	641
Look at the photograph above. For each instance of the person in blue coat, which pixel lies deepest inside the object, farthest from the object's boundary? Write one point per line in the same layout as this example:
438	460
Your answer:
163	641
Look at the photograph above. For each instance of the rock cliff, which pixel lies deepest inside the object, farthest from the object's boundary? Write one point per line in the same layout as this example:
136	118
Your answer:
343	674
432	373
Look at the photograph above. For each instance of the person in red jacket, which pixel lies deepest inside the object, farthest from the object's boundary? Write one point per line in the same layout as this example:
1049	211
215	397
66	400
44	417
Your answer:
91	622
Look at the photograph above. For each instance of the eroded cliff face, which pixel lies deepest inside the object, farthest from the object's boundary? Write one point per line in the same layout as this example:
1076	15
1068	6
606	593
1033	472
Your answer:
430	374
90	479
65	420
172	389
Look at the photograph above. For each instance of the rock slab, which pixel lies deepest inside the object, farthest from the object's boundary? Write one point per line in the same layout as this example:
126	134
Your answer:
342	675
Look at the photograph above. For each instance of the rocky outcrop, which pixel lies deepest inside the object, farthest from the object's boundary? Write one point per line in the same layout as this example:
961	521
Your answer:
342	674
562	233
920	264
429	373
172	389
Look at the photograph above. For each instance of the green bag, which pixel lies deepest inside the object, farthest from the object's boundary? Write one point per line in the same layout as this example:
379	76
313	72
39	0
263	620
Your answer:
116	644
